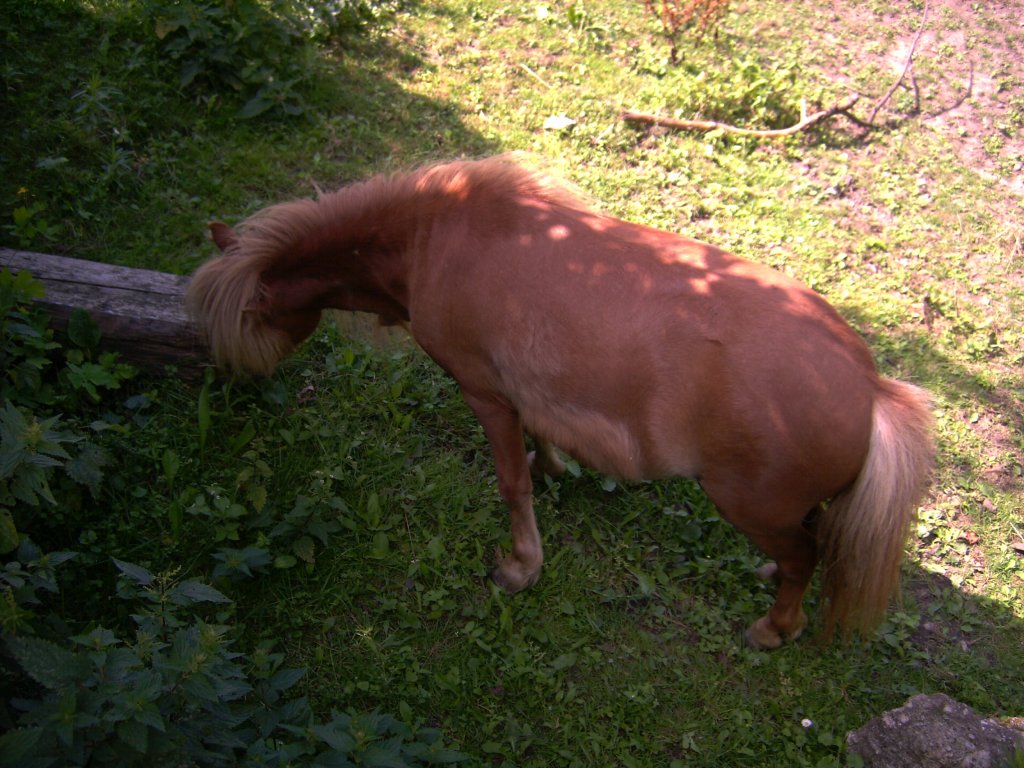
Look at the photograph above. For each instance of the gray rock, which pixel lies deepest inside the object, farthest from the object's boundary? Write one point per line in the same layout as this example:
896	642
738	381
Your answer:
934	731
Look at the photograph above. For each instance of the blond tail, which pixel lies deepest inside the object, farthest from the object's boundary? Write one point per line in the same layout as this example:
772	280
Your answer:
862	533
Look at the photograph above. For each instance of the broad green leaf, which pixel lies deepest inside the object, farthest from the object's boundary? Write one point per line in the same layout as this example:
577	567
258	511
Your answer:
189	70
18	746
171	464
285	561
691	533
199	687
373	509
285	678
305	548
8	533
136	573
189	592
242	438
336	736
100	638
149	714
435	548
386	755
257	495
445	757
66	715
87	467
381	545
49	163
21	285
48	664
565	661
31	482
135	734
83	331
164	27
257	105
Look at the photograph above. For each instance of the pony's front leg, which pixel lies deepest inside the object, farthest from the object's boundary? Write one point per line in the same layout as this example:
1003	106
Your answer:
504	431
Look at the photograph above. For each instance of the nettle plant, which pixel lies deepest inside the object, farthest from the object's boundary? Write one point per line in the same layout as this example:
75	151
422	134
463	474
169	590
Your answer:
258	49
174	689
163	681
39	445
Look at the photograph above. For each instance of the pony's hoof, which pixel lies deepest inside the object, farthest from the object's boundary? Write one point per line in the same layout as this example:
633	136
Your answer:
763	636
513	580
768	572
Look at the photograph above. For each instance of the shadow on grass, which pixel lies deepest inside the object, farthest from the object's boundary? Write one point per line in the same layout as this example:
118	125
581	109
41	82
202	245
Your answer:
366	121
915	353
968	645
113	159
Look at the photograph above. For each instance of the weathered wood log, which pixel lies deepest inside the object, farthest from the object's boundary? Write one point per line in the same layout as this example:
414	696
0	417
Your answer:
140	312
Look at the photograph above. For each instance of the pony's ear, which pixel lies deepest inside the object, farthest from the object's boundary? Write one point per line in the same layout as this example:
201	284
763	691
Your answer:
257	306
223	235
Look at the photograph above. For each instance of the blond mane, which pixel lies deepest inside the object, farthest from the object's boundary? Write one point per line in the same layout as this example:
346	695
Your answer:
401	195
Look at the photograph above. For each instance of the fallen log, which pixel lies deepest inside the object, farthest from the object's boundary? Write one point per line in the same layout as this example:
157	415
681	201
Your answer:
140	312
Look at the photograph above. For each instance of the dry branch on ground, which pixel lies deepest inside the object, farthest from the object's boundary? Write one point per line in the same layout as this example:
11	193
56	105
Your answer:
806	121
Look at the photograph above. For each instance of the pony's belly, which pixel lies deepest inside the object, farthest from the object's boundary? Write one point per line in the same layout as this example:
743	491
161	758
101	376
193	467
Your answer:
616	447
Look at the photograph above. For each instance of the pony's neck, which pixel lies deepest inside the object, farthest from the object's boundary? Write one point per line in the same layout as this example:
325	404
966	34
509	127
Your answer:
348	257
354	249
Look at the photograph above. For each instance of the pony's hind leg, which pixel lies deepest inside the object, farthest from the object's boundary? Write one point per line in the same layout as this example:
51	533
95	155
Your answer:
779	524
544	459
795	556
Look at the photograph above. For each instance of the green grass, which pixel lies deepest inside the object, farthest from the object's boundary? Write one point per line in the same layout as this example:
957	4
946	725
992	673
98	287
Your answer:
364	475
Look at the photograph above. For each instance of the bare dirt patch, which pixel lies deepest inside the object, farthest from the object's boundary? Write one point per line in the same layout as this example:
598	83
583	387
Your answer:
966	79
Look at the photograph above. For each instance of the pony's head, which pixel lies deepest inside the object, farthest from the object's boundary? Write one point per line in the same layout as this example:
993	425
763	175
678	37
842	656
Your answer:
247	330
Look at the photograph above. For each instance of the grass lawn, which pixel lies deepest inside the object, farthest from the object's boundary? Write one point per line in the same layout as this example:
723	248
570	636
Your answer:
361	474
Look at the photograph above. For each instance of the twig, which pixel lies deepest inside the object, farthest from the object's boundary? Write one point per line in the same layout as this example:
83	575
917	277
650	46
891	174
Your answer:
906	66
713	125
535	76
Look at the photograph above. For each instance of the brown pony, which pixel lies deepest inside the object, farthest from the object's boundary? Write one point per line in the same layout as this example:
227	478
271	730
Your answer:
640	352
